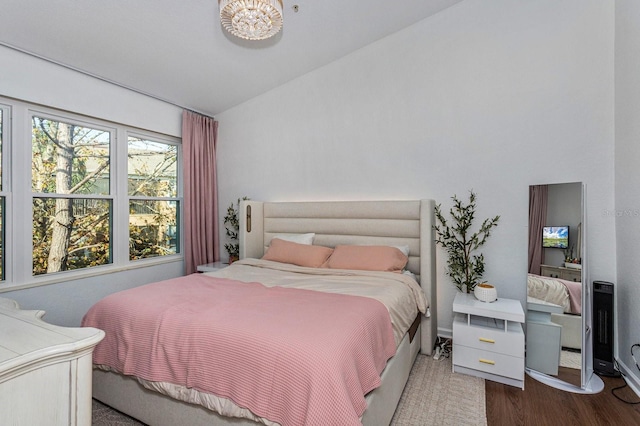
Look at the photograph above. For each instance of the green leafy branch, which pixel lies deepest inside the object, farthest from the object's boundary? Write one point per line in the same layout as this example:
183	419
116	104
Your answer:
232	226
463	266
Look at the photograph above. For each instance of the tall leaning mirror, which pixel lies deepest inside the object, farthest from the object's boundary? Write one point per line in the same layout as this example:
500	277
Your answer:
558	345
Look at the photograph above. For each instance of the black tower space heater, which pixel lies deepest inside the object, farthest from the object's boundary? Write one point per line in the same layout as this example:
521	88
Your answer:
603	328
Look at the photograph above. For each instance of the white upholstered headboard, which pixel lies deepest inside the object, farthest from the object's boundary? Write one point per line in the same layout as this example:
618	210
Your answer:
352	222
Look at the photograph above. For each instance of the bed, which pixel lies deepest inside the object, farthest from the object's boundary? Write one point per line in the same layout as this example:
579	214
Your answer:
354	225
564	293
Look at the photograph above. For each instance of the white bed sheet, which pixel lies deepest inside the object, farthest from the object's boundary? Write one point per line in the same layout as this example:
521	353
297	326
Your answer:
548	290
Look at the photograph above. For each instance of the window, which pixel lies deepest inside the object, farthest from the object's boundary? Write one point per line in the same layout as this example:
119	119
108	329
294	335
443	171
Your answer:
69	163
153	203
83	196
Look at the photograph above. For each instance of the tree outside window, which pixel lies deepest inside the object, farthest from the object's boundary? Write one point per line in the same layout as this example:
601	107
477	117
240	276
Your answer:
153	202
72	205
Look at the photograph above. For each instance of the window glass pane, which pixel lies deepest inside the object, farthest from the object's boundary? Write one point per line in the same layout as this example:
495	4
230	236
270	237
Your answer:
69	159
153	228
70	234
152	168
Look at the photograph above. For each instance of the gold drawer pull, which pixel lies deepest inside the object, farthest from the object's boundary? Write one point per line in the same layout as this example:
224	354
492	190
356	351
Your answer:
487	361
484	339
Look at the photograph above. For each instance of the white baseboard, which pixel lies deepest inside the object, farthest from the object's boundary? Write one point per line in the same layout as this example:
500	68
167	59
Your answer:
447	333
631	376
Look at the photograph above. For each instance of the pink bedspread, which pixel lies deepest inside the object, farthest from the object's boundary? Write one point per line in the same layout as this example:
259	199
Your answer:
575	295
289	355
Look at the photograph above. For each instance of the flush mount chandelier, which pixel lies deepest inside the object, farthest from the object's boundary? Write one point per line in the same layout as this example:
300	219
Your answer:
251	19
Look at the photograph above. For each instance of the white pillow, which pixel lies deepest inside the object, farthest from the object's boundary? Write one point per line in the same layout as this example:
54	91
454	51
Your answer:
403	249
297	238
411	274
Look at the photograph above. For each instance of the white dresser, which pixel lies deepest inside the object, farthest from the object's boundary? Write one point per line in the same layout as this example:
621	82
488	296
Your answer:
561	272
488	340
45	370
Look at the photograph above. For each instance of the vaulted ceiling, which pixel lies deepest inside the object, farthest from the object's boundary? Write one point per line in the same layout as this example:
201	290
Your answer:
176	50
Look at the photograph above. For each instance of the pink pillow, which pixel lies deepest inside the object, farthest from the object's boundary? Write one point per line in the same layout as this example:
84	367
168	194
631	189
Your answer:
297	254
368	258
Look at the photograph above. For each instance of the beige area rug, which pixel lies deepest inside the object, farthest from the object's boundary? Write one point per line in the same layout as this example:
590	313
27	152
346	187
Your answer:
571	359
436	396
107	416
433	396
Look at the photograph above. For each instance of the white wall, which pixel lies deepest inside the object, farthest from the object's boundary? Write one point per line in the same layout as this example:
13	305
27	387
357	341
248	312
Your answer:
491	96
37	81
564	207
66	303
627	182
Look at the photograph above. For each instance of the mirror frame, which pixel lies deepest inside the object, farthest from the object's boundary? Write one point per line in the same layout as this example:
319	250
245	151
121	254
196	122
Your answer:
590	383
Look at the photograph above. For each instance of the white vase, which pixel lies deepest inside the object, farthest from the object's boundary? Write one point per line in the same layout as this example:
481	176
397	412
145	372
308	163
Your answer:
485	292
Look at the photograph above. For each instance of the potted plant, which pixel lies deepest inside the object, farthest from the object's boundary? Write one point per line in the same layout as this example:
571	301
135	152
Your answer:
463	266
570	261
232	226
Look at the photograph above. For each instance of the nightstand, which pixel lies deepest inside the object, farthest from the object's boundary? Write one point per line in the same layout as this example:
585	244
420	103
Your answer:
488	340
212	267
544	337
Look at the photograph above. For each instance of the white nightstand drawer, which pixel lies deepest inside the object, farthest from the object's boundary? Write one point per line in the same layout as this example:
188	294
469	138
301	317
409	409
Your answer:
489	362
488	340
481	336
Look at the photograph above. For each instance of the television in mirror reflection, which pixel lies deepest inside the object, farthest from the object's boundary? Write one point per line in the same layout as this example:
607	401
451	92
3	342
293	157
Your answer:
555	237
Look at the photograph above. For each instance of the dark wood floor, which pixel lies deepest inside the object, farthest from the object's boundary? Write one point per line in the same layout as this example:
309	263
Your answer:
540	404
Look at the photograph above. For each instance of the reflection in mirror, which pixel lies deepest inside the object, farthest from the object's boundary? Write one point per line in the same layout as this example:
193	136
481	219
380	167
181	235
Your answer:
555	295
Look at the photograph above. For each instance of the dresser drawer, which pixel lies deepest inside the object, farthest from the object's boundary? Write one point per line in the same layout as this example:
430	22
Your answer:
489	362
571	275
480	335
549	271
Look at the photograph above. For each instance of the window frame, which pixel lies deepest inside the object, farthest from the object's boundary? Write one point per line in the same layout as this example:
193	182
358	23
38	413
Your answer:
19	196
177	198
79	196
5	191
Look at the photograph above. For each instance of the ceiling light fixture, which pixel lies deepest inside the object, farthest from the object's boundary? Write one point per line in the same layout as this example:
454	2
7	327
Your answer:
251	19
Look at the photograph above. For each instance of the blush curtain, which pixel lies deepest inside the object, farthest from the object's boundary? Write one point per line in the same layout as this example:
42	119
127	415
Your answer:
537	218
199	135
